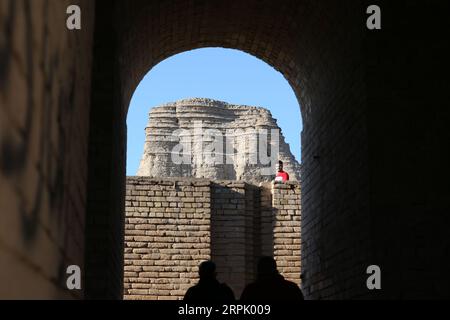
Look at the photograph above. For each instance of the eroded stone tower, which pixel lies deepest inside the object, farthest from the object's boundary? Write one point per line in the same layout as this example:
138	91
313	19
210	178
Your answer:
211	139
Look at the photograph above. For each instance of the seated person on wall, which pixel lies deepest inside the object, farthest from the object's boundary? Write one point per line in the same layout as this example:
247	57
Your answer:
270	285
208	288
282	176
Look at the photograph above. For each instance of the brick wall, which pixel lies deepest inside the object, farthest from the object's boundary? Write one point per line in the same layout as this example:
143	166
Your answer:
266	219
286	230
167	234
104	230
235	232
318	47
173	225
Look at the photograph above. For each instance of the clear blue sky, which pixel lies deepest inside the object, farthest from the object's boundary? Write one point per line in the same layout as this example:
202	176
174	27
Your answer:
216	73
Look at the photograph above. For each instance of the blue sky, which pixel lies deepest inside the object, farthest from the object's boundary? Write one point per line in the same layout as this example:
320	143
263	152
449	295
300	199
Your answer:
216	73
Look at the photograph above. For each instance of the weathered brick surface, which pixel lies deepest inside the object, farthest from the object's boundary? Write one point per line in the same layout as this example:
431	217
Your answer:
286	230
409	153
44	124
167	235
235	231
172	225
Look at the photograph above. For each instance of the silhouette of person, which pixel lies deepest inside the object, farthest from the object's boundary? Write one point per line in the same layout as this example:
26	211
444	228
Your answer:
208	288
270	285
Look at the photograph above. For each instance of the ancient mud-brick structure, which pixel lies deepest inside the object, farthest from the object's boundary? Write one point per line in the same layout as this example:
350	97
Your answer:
174	224
244	135
375	173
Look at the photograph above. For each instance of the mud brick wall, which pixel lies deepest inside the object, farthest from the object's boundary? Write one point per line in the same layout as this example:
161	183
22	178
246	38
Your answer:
228	233
172	225
167	235
286	229
234	232
266	219
253	238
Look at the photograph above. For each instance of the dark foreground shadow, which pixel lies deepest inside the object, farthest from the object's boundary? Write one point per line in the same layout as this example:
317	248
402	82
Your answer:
209	289
270	285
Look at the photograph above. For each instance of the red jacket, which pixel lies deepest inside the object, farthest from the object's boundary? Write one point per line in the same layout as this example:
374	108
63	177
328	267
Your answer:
283	175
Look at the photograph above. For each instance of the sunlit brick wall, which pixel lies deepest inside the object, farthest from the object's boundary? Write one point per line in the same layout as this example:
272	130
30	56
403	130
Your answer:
172	225
167	235
286	230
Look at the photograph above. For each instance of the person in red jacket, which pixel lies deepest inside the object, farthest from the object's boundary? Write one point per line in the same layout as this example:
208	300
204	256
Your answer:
282	176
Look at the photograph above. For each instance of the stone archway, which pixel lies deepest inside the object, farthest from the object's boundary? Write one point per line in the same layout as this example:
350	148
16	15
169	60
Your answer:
375	139
312	49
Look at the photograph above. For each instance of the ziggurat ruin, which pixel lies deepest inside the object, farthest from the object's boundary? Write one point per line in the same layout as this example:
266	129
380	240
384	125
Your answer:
178	215
242	152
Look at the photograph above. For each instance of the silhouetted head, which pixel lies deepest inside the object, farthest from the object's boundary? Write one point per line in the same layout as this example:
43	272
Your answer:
207	270
280	166
267	266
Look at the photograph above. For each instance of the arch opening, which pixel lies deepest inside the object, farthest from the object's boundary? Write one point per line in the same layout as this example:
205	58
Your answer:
202	209
318	62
